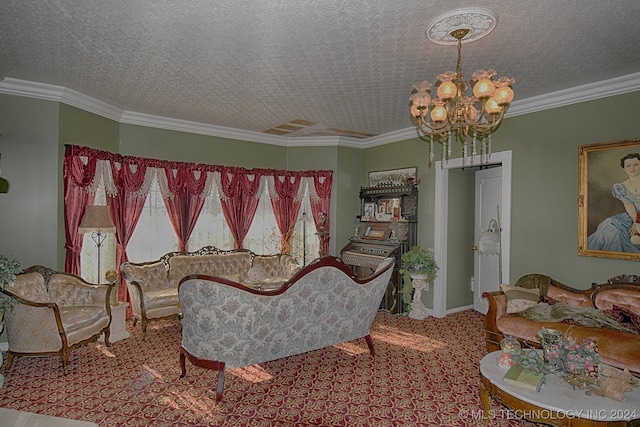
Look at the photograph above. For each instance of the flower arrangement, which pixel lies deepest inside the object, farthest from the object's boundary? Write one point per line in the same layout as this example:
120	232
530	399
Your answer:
529	360
416	261
573	358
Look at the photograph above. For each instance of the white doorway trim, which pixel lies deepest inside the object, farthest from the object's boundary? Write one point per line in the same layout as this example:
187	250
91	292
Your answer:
442	221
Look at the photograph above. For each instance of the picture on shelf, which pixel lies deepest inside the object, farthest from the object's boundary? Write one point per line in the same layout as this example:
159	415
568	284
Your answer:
369	212
406	176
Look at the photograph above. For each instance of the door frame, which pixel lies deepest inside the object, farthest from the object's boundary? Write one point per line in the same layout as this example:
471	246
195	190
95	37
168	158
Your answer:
441	221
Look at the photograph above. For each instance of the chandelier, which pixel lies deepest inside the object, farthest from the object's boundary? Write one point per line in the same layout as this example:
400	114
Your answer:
452	114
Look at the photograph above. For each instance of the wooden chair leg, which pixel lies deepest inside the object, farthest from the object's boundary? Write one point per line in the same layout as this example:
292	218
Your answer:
220	382
9	362
370	344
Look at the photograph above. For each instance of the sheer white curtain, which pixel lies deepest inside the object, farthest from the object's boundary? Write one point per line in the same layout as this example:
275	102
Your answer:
153	236
263	236
305	246
211	228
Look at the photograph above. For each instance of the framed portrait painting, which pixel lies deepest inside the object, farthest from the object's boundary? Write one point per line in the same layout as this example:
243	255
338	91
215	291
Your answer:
609	200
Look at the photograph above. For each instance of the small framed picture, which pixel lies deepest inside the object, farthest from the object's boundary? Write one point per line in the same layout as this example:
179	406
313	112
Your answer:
369	212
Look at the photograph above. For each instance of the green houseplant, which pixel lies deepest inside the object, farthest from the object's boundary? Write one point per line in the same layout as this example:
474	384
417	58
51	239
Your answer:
416	261
9	267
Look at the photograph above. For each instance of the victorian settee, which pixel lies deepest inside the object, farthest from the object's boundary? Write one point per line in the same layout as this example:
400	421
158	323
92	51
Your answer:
611	315
52	313
226	324
153	285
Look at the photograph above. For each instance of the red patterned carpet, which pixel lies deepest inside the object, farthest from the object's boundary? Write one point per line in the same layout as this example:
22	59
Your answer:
425	373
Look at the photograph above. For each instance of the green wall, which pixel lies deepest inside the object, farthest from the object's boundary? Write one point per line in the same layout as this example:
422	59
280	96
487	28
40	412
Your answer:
544	215
461	237
29	210
154	143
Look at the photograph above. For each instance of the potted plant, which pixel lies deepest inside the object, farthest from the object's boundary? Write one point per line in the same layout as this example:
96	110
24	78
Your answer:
9	267
417	264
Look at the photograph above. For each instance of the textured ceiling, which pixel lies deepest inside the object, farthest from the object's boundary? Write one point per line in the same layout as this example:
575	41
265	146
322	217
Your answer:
346	67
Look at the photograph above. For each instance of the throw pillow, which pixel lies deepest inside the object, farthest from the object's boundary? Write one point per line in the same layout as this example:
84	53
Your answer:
519	299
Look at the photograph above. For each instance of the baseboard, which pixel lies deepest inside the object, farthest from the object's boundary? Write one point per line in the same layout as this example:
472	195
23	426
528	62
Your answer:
458	309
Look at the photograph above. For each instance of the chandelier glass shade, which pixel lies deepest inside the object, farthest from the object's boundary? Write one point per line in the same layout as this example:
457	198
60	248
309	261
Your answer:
454	115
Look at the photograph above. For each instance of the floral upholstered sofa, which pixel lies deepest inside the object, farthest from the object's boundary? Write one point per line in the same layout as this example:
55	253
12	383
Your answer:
608	313
153	285
227	325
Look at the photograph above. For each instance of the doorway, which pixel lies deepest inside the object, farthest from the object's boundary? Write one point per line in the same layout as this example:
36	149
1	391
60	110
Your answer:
487	224
502	158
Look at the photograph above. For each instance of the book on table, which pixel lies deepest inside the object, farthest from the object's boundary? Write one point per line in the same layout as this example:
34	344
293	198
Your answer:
524	378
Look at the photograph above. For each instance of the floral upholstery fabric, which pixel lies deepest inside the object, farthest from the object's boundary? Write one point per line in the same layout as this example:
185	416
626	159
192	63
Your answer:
150	276
210	265
278	267
83	309
153	286
319	308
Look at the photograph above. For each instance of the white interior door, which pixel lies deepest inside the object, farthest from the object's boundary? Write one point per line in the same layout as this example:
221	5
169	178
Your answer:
488	195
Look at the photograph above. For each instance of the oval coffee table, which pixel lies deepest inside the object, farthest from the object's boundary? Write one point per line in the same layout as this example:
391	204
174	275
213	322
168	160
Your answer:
557	403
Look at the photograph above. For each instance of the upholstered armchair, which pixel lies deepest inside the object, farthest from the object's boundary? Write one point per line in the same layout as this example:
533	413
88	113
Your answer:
151	294
53	313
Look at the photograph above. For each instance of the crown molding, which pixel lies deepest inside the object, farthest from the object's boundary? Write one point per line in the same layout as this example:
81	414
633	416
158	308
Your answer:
168	123
323	141
587	92
62	94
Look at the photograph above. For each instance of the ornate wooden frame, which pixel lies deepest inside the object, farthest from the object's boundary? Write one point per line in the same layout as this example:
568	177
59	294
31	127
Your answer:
597	172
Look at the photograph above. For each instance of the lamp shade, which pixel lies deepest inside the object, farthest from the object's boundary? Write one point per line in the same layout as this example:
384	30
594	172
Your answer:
96	218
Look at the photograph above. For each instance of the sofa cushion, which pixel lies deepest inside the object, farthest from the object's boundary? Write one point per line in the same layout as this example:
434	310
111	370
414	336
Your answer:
77	317
30	286
569	297
152	275
629	299
161	298
519	299
224	264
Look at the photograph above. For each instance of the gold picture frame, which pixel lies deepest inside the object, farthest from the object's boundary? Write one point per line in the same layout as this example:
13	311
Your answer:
605	169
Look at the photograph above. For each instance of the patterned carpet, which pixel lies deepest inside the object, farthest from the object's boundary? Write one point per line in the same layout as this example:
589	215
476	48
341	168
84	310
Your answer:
425	373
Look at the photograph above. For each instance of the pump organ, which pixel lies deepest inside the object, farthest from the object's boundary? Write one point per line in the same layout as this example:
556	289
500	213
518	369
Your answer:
386	227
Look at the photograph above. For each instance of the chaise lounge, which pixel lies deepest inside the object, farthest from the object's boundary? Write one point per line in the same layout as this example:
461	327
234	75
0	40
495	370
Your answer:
226	324
618	298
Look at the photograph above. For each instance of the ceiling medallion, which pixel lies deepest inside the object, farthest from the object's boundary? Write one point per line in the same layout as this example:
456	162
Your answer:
480	22
453	114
